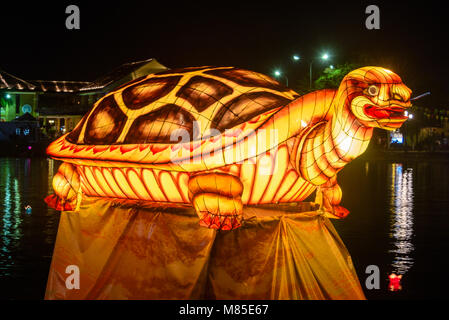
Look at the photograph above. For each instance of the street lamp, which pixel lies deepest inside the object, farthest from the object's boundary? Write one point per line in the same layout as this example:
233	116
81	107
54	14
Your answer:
278	73
8	96
324	57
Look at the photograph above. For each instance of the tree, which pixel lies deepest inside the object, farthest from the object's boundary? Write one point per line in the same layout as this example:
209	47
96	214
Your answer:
331	78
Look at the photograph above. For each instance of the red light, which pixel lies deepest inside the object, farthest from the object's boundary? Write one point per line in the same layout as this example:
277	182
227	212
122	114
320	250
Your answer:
395	282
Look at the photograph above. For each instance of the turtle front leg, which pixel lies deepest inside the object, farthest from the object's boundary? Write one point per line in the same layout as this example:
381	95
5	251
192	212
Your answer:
328	196
67	187
216	198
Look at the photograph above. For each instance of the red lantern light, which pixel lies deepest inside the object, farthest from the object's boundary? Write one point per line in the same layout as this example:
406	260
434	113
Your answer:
395	282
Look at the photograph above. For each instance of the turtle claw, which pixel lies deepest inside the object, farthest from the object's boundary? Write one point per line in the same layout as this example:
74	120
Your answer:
218	212
221	222
216	198
53	201
340	212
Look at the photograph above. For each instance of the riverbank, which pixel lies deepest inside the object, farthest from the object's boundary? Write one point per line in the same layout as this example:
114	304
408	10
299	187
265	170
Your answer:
27	150
404	155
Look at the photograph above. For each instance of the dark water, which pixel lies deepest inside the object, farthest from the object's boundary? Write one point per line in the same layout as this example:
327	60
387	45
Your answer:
26	239
399	221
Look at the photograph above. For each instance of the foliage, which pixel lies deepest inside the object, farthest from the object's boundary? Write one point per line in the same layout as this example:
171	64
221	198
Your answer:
331	78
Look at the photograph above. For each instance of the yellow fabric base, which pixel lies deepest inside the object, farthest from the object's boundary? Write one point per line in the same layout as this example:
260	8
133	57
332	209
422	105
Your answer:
134	251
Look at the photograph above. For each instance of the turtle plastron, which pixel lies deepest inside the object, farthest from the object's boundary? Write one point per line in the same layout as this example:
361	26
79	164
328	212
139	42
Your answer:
216	198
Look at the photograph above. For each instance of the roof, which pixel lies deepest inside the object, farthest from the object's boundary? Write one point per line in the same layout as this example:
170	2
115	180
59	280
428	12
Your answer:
122	71
10	82
120	74
59	86
26	117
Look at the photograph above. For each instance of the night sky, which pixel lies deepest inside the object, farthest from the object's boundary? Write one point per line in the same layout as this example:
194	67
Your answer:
258	36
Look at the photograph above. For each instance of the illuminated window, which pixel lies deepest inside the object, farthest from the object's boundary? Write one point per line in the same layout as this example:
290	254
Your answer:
397	137
18	131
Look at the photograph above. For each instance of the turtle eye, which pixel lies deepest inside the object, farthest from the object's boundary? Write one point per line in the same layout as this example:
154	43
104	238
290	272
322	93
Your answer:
373	90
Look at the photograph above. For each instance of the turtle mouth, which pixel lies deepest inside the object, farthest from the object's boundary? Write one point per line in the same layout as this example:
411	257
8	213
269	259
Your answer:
393	112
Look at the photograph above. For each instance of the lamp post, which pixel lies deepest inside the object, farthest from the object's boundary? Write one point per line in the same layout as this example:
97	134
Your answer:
324	57
278	73
296	58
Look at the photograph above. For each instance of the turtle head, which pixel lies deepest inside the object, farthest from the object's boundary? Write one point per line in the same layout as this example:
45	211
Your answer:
376	97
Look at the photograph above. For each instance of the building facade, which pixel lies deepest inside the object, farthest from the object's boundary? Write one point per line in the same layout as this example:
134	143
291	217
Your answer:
57	106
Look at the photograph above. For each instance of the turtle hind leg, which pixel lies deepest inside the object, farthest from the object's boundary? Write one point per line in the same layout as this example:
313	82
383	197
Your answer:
216	198
329	197
67	187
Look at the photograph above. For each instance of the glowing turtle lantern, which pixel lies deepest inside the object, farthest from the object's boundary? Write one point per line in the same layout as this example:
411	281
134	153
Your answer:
219	138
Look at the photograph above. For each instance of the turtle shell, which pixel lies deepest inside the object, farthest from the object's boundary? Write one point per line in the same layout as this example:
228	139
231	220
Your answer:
202	101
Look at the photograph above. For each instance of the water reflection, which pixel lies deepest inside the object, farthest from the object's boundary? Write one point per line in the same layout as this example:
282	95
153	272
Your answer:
11	219
401	227
51	170
23	185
